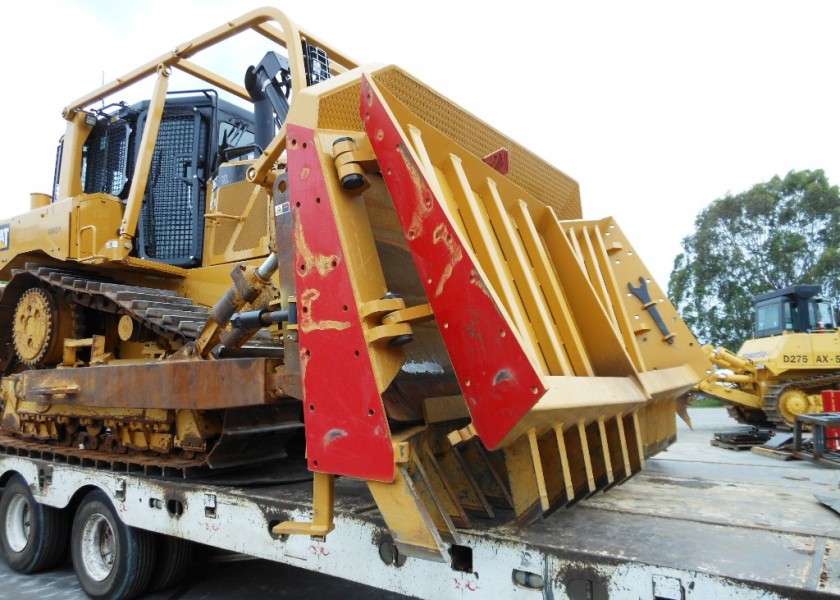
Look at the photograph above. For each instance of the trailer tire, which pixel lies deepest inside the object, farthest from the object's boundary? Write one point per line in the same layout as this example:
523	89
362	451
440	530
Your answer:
33	536
174	558
112	560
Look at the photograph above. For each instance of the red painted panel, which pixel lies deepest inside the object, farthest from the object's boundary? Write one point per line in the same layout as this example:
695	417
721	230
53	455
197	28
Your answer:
346	427
831	403
496	376
499	160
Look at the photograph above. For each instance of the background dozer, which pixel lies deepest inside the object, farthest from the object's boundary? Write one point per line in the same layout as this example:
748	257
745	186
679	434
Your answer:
780	373
331	262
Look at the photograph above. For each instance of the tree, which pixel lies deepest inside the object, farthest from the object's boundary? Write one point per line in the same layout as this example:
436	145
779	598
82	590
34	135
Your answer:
779	233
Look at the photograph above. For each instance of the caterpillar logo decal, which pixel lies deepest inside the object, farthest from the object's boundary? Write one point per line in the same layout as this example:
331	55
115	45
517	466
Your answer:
4	236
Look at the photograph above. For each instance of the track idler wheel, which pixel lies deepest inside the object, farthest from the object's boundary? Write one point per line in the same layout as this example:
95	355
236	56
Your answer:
41	323
795	402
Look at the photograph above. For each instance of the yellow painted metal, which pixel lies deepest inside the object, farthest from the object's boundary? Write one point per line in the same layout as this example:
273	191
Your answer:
731	395
96	344
796	361
205	285
412	504
194	428
37	200
46	230
536	308
600	342
77	131
485	244
143	165
93	222
260	20
665	366
40	324
374	313
236	223
213	79
32	326
413	314
323	509
558	306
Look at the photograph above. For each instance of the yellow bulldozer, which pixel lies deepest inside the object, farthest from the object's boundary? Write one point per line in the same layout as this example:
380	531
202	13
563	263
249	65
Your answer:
333	263
781	372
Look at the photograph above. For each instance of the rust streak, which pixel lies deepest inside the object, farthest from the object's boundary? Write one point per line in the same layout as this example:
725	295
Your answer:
308	259
307	322
423	201
442	234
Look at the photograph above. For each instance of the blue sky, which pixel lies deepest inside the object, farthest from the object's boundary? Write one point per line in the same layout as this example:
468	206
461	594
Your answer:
656	108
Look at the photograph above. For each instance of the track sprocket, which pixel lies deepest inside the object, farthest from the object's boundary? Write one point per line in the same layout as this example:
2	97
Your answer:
41	322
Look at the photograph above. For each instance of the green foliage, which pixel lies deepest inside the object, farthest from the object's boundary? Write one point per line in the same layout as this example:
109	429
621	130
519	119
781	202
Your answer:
779	233
706	403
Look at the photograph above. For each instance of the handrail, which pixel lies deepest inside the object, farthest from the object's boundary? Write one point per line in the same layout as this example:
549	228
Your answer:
260	21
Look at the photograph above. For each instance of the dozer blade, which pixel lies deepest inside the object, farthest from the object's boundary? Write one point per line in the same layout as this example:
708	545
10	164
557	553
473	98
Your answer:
565	358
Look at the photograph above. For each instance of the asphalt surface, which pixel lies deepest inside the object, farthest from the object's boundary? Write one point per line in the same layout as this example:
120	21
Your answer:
217	575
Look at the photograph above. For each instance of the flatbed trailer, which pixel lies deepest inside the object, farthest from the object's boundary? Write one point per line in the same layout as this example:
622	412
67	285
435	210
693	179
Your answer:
690	526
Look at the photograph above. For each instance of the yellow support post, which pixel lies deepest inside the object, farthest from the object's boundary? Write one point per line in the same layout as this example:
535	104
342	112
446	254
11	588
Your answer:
323	510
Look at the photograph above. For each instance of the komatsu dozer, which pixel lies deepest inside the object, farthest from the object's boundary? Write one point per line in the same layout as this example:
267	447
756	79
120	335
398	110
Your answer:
782	371
335	262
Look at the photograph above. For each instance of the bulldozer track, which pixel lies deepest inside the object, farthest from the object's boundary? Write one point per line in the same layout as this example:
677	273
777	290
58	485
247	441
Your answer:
162	311
805	384
147	464
177	318
747	416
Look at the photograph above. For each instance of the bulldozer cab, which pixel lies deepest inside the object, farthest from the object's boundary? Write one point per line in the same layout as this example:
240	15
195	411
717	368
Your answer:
174	211
197	131
794	309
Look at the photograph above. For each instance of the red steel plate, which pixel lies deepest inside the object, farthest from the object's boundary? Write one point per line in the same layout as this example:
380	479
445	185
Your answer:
346	428
497	378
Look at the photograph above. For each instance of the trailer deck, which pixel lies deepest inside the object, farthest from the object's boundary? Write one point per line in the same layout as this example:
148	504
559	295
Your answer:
698	522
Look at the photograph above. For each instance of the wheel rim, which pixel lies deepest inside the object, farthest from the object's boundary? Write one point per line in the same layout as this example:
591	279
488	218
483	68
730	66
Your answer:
18	523
792	403
98	547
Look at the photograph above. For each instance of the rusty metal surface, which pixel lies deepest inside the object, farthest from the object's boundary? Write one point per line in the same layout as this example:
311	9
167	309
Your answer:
201	385
146	464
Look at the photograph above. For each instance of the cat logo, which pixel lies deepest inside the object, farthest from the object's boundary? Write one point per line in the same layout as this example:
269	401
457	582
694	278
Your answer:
4	236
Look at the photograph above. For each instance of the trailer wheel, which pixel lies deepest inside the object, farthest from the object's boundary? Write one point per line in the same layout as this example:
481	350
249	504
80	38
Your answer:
174	558
111	559
32	536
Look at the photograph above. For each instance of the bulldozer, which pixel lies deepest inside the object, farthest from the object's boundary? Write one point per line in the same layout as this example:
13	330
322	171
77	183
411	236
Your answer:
331	262
782	371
